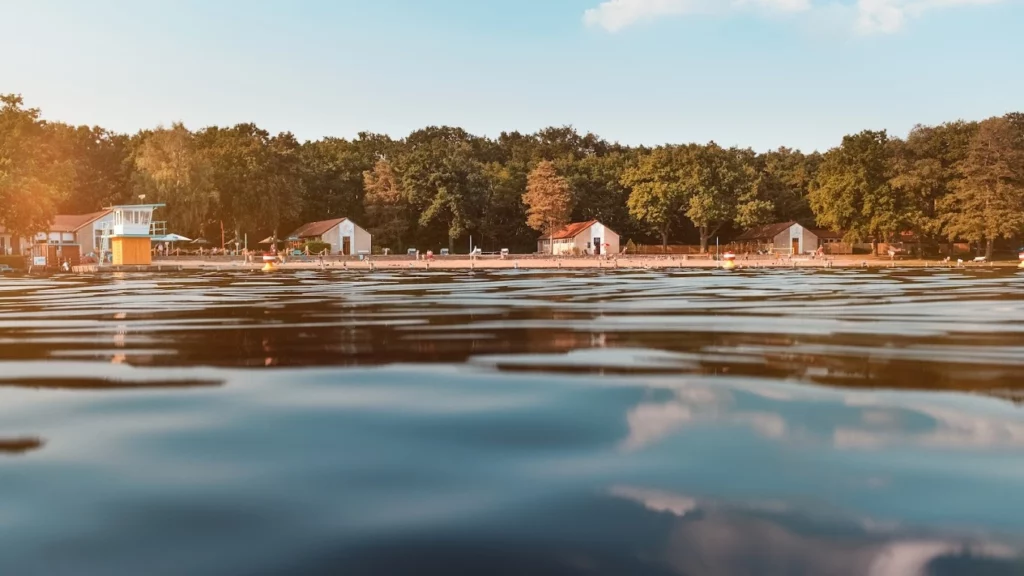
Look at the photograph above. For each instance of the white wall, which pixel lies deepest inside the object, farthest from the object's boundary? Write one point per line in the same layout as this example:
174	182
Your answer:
784	241
584	241
359	239
85	237
563	247
607	236
346	230
363	241
781	241
810	241
333	237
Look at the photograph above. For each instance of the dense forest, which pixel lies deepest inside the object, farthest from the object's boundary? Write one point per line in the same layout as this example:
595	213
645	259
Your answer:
440	185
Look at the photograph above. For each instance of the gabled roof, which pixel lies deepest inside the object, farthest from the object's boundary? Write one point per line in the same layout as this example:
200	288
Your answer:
571	230
311	229
75	222
766	232
770	231
826	234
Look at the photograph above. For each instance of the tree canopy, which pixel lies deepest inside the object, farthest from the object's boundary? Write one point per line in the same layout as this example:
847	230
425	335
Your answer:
440	185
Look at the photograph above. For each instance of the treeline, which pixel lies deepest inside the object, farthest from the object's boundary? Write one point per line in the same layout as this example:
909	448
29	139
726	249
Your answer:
440	185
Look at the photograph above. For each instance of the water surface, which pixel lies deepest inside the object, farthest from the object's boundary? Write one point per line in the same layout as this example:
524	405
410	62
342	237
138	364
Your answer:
763	422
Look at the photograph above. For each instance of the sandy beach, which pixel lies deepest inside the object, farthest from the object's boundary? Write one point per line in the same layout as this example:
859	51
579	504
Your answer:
542	263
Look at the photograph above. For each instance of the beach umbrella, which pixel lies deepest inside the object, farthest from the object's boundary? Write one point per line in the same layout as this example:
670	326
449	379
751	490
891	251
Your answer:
200	241
171	238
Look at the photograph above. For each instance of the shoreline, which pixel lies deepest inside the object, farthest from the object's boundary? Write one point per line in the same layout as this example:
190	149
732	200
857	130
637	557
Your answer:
536	263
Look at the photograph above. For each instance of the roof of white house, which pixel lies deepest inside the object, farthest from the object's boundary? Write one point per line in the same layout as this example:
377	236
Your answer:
573	230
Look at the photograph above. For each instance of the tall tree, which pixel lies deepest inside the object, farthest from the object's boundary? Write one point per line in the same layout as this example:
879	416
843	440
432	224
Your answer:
926	169
658	188
172	171
503	223
101	169
988	200
852	191
783	177
332	176
258	178
548	200
33	175
598	192
386	206
444	182
714	181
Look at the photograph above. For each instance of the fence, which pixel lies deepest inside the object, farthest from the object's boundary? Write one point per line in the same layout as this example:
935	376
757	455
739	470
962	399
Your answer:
650	249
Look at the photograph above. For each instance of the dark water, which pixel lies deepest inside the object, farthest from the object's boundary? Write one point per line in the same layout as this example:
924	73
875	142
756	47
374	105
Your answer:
777	422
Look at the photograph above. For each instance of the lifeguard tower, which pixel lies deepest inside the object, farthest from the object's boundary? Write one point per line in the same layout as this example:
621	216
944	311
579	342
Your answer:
131	233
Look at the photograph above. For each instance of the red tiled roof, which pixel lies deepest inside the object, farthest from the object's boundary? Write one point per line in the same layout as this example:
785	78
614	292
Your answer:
73	222
312	229
571	230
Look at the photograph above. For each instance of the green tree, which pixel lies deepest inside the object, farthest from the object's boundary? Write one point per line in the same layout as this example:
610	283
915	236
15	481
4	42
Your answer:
100	167
598	192
33	175
444	182
715	179
386	206
171	171
258	178
658	184
503	222
548	200
852	191
332	176
925	171
784	177
987	202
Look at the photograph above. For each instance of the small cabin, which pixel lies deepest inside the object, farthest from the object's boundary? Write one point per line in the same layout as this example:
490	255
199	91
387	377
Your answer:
75	234
580	238
786	238
345	236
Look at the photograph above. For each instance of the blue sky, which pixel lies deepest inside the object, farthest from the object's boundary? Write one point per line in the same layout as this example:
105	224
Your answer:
759	73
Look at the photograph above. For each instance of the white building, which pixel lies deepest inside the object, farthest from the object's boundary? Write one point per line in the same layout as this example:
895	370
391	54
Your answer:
786	238
345	236
90	232
581	238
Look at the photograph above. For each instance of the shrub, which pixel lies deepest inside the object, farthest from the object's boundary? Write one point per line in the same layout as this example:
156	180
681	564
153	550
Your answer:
16	262
316	247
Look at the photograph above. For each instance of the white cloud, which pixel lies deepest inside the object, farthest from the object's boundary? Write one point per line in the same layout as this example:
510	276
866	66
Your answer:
889	16
870	16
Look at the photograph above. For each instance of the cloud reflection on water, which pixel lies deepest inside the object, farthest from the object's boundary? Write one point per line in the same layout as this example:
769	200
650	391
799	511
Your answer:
733	539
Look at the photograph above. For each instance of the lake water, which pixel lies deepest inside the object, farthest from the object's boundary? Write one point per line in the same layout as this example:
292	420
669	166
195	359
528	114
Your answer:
840	422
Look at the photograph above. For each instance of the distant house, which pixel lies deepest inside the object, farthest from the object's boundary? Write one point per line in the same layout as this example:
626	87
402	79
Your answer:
89	232
786	238
590	237
345	236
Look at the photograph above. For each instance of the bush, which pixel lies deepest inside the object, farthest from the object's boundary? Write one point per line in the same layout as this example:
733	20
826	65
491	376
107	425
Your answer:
315	248
16	262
